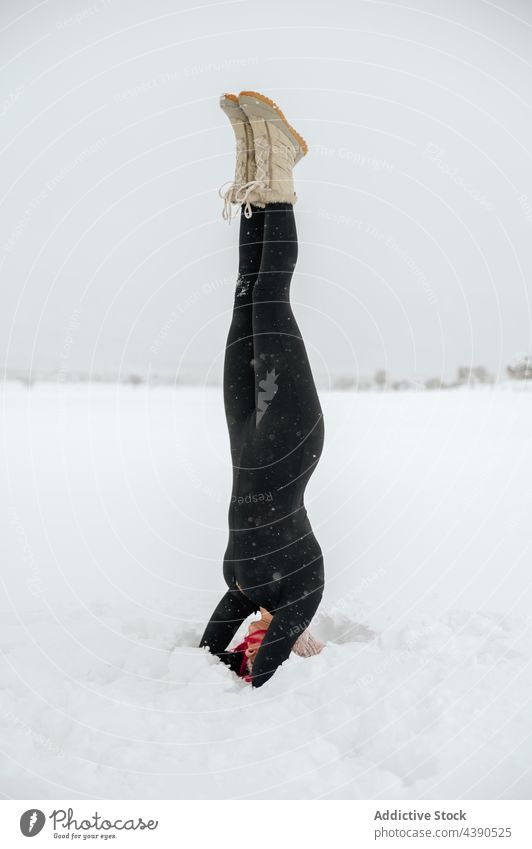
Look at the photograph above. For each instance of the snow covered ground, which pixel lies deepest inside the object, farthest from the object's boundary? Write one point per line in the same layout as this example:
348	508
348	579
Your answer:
113	501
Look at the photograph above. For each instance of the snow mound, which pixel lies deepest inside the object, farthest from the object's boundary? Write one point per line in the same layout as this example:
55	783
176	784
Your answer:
105	706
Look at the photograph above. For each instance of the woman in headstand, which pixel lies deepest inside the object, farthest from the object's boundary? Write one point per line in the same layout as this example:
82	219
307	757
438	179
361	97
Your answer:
273	561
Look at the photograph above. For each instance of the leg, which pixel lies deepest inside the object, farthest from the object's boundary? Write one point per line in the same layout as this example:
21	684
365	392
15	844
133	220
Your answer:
288	623
225	621
290	419
282	367
239	388
238	381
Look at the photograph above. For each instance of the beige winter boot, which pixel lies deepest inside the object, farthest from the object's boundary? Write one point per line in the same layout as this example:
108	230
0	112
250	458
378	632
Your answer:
278	147
245	158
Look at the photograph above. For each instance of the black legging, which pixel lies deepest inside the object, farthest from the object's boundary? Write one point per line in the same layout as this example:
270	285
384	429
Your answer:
275	422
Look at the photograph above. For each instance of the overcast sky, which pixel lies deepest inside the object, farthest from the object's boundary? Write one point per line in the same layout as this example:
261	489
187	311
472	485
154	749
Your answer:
415	201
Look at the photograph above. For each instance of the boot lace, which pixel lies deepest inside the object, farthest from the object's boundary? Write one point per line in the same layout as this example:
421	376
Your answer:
232	187
262	154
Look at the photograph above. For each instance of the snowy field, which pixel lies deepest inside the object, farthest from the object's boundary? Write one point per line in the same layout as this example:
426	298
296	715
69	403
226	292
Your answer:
114	505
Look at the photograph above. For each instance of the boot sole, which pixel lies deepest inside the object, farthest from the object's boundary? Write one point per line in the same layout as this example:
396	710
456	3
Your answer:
269	110
229	104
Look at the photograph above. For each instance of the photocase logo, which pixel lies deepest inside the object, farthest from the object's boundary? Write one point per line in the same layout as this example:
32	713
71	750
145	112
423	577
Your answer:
64	823
268	388
32	822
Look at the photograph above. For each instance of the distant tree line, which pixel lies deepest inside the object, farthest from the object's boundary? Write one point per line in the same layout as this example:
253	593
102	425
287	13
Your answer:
520	368
465	375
